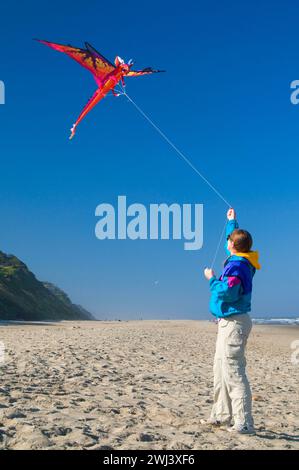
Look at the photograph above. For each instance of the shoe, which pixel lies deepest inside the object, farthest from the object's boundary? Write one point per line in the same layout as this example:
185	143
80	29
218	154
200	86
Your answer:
242	429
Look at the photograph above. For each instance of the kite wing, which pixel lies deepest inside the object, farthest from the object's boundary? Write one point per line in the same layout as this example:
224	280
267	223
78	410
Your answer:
146	71
89	58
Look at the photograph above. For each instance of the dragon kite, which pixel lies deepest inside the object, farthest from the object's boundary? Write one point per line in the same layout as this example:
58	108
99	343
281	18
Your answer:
106	74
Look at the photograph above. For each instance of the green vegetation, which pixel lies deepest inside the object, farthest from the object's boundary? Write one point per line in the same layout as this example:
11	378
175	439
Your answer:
23	297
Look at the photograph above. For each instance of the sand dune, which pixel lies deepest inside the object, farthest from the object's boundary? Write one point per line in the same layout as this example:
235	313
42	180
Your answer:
137	385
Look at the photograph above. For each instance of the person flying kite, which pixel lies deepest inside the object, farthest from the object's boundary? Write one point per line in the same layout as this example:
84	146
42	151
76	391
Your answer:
106	74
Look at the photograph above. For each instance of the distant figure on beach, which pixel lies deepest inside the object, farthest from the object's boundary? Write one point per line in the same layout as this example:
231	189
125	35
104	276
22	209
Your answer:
230	303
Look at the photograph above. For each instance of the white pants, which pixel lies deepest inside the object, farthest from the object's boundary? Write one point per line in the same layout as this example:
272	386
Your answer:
232	395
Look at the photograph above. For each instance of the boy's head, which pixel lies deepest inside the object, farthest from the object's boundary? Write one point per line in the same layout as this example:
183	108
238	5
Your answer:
239	241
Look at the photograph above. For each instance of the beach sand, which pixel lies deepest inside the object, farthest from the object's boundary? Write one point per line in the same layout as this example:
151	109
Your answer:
137	385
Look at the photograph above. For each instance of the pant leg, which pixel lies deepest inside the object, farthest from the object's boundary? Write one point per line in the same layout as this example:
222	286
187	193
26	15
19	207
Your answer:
222	409
234	368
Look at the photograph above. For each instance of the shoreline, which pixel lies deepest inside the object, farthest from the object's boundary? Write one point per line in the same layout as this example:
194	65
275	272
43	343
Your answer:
256	321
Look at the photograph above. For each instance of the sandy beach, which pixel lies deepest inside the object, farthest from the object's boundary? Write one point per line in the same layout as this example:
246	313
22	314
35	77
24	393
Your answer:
137	385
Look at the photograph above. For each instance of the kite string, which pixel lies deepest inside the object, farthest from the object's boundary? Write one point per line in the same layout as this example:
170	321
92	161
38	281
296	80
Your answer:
175	148
123	92
218	246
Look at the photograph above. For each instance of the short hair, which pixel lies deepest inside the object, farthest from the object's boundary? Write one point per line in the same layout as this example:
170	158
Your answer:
242	240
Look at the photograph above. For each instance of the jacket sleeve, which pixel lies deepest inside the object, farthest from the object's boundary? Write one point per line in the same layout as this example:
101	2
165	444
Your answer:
230	227
229	289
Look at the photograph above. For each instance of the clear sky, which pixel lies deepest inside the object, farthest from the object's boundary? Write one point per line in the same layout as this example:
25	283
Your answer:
224	100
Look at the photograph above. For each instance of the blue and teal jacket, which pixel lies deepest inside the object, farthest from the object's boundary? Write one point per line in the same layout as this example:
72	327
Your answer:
231	293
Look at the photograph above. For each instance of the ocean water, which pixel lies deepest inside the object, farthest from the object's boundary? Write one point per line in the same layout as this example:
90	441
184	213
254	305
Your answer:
276	321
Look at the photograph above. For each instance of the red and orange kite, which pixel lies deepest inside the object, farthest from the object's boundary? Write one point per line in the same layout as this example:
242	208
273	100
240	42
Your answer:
106	74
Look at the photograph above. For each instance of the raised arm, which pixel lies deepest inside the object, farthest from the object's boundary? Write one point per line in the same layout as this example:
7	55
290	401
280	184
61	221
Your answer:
231	225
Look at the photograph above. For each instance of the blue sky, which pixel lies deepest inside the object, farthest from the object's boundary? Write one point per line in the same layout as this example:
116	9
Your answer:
224	101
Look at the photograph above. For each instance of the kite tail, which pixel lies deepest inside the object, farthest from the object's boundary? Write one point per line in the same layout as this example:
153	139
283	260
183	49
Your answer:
97	96
73	131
